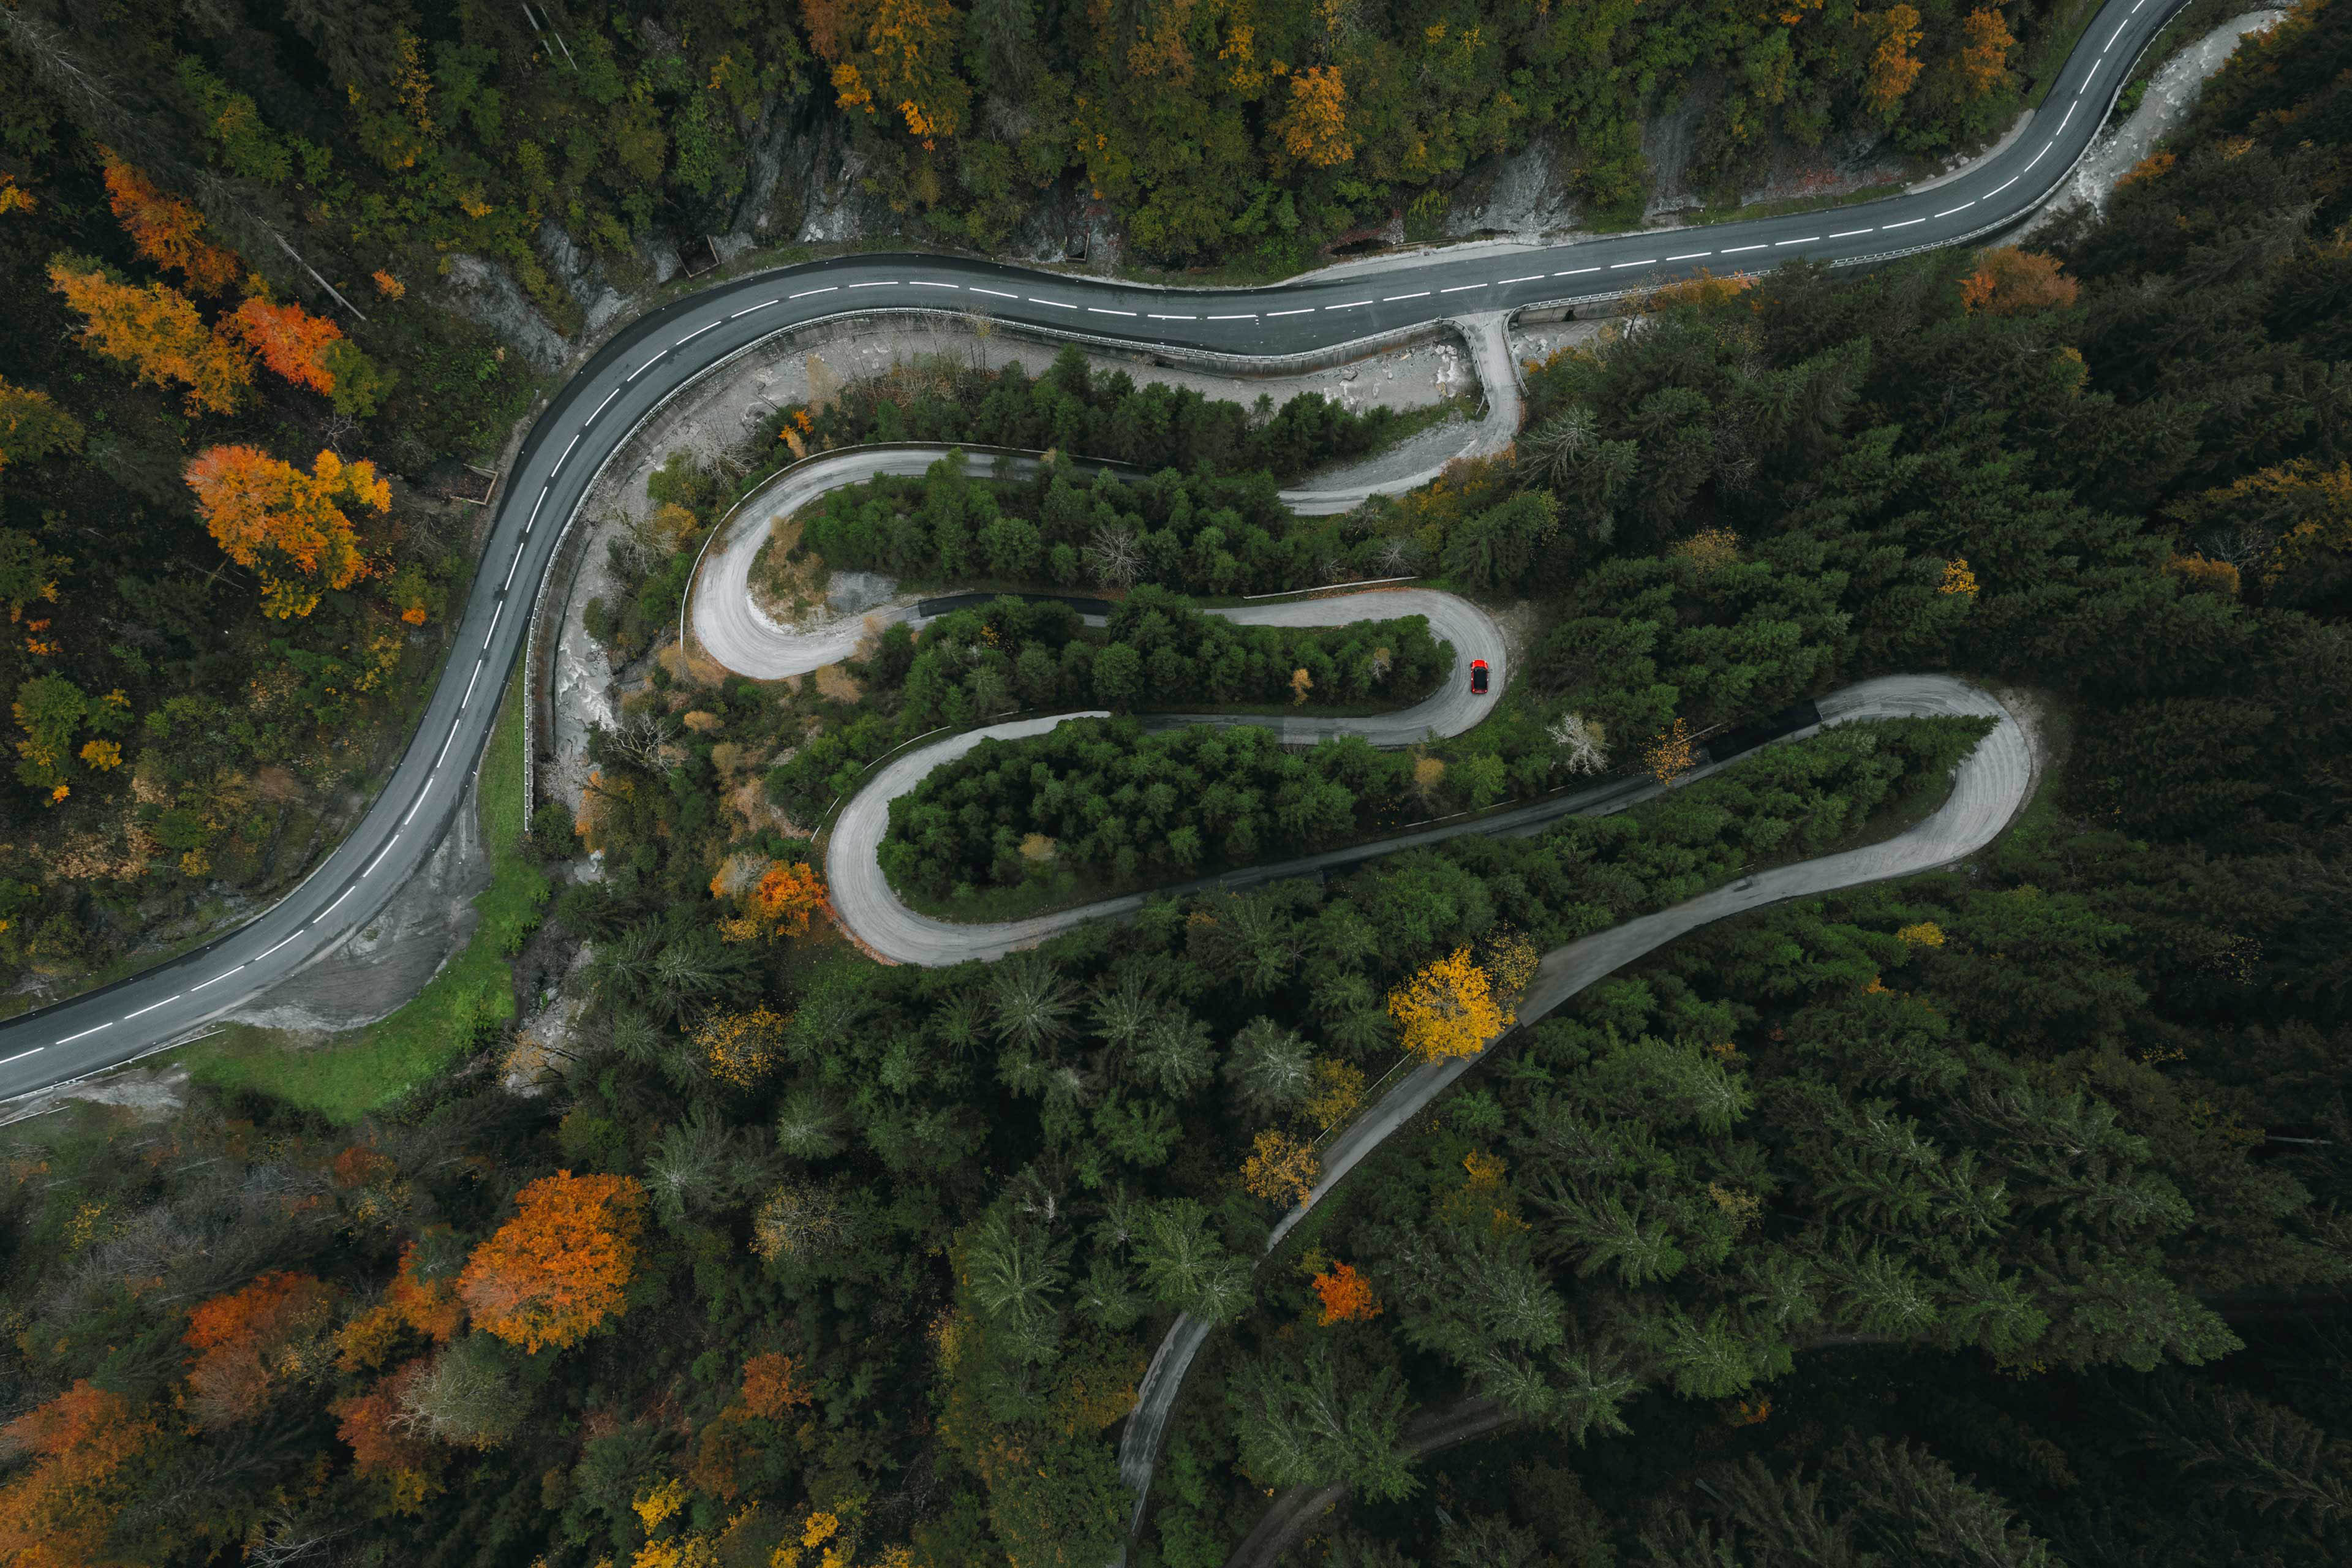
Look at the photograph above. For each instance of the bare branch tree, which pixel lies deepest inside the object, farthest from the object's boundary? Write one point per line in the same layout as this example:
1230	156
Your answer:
1585	744
1115	556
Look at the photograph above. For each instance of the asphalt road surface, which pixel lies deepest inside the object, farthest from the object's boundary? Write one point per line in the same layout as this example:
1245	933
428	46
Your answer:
596	410
1988	788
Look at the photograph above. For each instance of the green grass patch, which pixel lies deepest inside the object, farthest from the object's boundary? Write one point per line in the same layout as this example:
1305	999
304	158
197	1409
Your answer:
345	1076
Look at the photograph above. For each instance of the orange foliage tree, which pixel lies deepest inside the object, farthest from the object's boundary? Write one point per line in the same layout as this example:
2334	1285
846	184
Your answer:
1347	1295
288	525
426	1307
771	1385
1314	128
1672	753
290	340
250	1336
86	1445
1448	1008
1984	60
370	1424
558	1269
155	331
167	231
2012	282
1893	66
779	904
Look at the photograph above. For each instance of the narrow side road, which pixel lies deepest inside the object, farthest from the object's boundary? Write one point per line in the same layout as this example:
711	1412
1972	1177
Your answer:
1988	789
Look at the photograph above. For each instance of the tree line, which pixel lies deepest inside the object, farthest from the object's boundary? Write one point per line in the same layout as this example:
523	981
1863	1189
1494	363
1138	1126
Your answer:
1157	652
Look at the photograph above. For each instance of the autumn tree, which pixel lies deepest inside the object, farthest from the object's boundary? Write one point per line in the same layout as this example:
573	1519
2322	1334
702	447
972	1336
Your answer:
32	427
1984	60
779	904
902	62
155	329
1346	1295
742	1048
773	1383
287	525
87	1448
1281	1168
372	1425
167	230
251	1340
2012	282
1893	66
1671	754
1312	128
558	1269
1448	1009
289	340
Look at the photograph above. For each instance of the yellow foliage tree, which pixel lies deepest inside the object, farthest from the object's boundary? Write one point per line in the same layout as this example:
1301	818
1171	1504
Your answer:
742	1048
1281	1168
288	525
155	329
1893	66
1314	128
1984	60
1448	1008
1671	754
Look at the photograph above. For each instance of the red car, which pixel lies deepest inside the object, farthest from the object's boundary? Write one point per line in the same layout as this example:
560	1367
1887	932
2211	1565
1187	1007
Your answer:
1478	677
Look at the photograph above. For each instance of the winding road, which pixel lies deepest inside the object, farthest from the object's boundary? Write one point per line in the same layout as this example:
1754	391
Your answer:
662	352
1988	788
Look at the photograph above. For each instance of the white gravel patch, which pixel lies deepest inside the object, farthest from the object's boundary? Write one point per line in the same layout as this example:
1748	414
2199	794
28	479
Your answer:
2172	93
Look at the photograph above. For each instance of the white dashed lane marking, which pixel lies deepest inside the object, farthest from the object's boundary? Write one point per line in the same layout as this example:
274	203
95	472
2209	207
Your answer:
604	406
1691	256
926	283
564	459
1620	266
151	1007
1461	288
1809	239
1849	233
1961	208
993	293
1099	311
1575	272
20	1055
1349	306
1530	278
1057	304
85	1034
1392	299
1251	317
694	334
807	292
1306	310
1158	316
1737	249
1906	223
878	283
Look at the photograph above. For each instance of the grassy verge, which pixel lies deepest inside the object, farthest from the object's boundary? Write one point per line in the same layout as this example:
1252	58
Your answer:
349	1074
